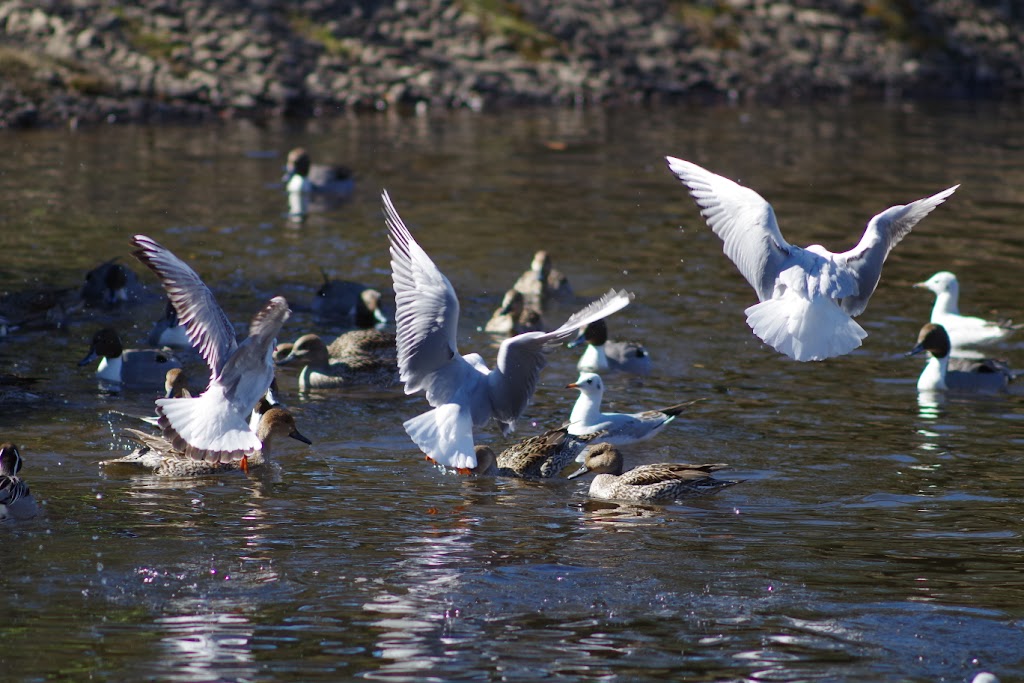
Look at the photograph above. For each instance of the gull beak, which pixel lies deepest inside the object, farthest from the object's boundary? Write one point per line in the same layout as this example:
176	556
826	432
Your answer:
572	386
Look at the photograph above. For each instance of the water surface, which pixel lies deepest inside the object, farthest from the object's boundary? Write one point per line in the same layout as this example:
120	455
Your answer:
874	537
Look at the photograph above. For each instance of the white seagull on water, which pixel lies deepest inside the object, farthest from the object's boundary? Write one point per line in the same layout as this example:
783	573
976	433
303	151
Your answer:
619	429
963	330
808	296
215	425
463	391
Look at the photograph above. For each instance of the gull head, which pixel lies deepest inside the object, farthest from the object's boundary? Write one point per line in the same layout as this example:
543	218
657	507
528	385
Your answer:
943	282
588	383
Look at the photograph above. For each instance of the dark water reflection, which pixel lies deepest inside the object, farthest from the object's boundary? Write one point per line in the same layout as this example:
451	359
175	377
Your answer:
876	536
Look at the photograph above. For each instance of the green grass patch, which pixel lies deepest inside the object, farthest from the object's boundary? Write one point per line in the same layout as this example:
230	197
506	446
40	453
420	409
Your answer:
711	22
507	19
319	34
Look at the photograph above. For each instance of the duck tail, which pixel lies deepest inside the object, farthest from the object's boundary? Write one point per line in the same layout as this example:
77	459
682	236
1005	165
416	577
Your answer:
805	329
445	434
206	427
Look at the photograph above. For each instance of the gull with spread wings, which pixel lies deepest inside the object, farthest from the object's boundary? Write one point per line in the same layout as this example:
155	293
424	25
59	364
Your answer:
462	390
215	425
808	296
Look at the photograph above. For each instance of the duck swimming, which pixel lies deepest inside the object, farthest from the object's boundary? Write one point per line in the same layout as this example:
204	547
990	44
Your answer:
138	368
349	301
808	296
602	355
943	373
359	357
661	482
542	456
542	285
514	317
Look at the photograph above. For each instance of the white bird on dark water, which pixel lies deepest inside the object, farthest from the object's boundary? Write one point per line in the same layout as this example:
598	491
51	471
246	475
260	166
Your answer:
963	330
808	296
463	391
214	425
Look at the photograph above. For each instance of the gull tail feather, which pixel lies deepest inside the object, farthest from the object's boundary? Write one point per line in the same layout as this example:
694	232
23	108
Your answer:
206	427
445	434
805	329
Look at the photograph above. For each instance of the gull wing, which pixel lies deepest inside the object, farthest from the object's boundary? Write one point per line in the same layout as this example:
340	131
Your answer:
427	309
207	326
521	358
884	232
744	221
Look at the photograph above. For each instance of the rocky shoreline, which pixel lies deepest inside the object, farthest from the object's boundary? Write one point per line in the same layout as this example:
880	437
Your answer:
75	62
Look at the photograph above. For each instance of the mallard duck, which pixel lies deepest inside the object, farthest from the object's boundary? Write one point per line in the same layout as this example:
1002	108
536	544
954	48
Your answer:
542	285
359	357
162	457
514	316
542	456
648	483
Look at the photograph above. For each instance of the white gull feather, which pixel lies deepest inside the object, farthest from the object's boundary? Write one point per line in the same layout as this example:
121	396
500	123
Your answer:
462	390
963	330
808	296
215	425
619	429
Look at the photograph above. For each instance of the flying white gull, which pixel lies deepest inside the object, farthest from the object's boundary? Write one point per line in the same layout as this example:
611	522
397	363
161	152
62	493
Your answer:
808	296
215	425
463	391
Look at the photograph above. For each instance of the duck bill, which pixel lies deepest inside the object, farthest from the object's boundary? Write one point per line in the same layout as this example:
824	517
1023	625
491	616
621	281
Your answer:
284	361
576	342
299	437
916	350
89	357
579	473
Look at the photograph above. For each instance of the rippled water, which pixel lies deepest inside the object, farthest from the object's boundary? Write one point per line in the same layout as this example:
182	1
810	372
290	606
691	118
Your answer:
874	538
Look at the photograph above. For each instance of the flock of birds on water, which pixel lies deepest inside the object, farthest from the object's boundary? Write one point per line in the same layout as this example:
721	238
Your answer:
807	301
